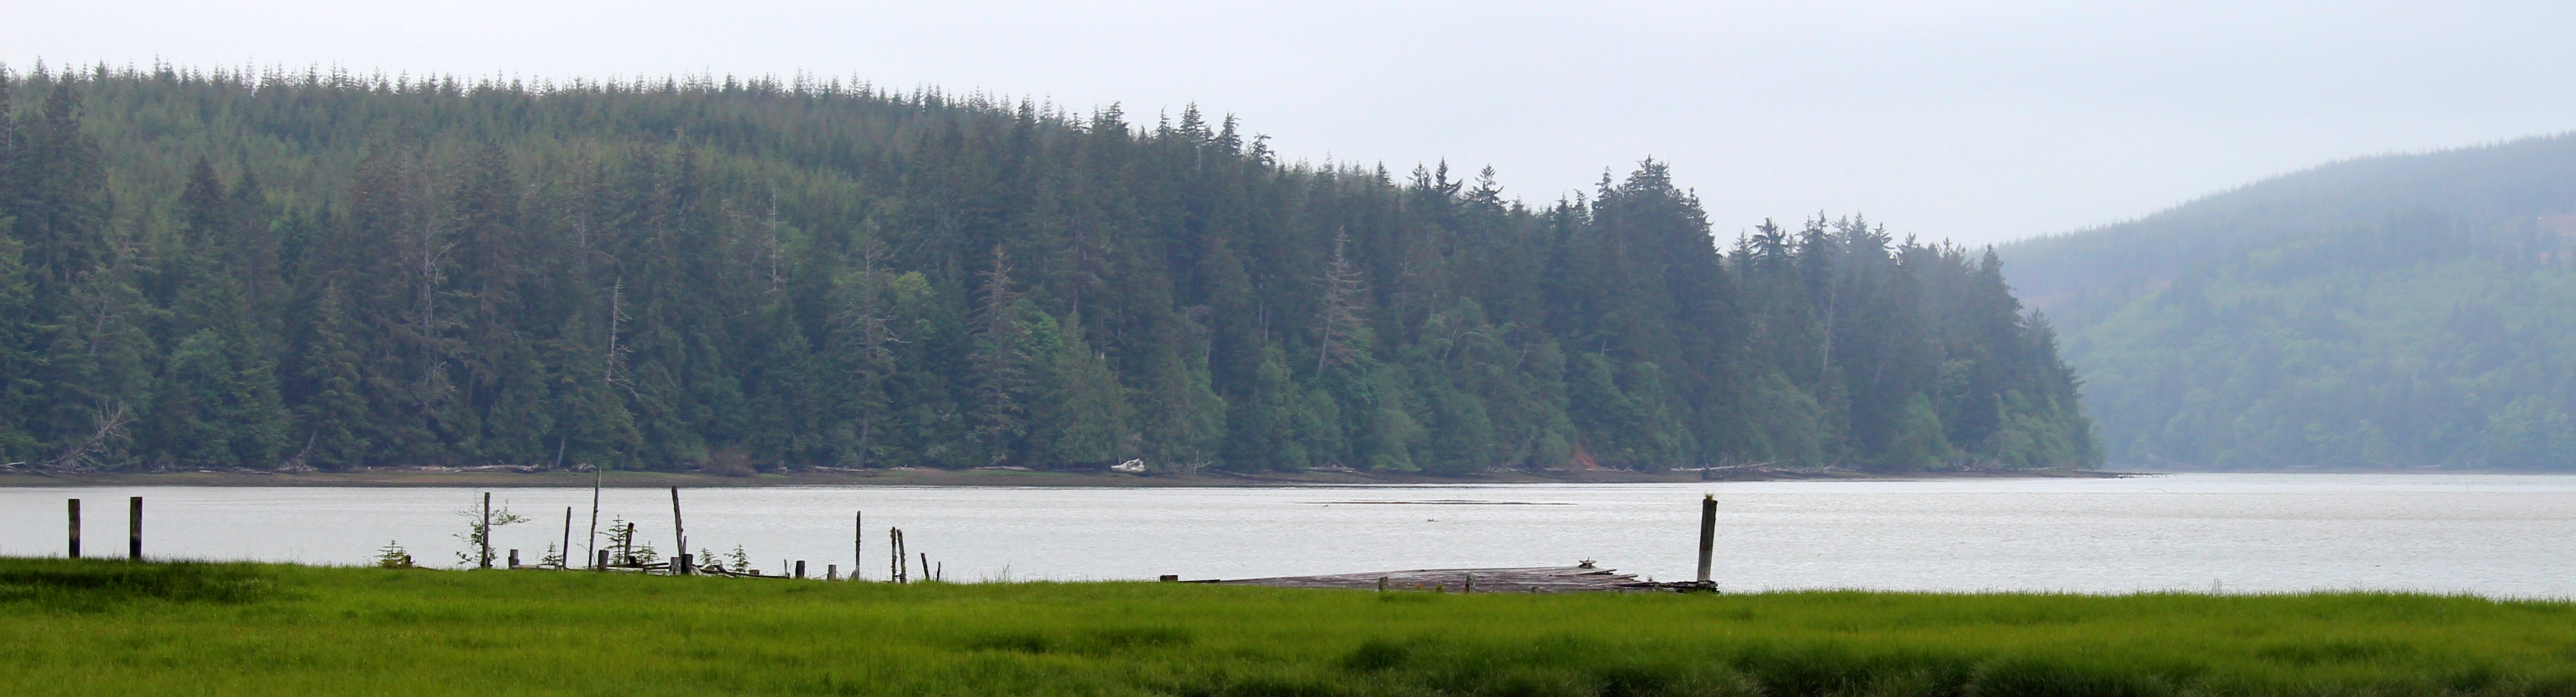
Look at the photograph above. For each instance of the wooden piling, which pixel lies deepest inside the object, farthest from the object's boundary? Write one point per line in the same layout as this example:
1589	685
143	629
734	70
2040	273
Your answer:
858	543
74	507
484	561
563	556
925	568
800	568
678	533
1469	586
514	559
134	529
895	566
1707	532
602	563
831	572
593	545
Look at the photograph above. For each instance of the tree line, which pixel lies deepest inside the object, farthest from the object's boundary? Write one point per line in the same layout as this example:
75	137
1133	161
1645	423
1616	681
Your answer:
326	270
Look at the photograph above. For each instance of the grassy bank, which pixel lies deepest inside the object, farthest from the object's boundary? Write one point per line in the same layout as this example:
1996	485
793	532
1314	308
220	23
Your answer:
113	628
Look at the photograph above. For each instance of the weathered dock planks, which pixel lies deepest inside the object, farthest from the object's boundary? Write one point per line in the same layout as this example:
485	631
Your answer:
1536	579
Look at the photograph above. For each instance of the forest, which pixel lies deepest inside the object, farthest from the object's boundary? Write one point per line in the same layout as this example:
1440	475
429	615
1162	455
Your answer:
317	269
2405	311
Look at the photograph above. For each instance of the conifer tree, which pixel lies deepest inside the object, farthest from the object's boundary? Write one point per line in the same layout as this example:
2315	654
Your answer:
334	412
1084	416
1000	365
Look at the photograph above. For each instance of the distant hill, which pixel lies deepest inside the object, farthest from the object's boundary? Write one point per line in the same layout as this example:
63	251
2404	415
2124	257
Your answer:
2394	311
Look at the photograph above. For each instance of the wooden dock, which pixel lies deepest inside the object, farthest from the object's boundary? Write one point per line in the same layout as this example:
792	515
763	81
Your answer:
1537	579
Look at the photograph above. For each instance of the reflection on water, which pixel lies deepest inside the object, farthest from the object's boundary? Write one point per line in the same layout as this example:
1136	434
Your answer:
2498	535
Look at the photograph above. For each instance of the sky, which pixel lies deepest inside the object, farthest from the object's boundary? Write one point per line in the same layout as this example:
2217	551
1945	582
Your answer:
1970	120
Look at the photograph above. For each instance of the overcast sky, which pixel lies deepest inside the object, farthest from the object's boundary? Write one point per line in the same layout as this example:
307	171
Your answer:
1970	120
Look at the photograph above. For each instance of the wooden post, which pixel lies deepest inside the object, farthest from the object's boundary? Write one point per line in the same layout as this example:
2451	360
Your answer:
134	529
925	568
564	558
1469	586
594	520
1381	584
858	544
74	505
800	568
514	559
831	572
678	533
602	564
485	532
1707	532
894	544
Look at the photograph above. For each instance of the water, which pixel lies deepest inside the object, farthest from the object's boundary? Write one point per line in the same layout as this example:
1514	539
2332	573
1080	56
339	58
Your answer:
2497	535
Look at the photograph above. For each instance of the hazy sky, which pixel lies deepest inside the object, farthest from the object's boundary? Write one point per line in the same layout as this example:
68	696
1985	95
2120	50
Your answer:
1977	121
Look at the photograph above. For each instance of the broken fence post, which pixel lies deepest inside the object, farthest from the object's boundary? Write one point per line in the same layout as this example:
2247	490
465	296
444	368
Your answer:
1707	532
134	529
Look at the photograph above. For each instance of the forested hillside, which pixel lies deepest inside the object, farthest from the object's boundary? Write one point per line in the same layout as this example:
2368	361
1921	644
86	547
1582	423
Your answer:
2400	311
325	270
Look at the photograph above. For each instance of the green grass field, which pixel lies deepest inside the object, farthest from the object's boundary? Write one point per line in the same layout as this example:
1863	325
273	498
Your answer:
105	627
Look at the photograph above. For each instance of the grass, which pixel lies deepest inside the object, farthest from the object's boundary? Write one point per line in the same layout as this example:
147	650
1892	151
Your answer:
105	627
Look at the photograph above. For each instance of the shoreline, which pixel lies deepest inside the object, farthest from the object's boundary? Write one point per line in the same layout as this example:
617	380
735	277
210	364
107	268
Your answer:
506	477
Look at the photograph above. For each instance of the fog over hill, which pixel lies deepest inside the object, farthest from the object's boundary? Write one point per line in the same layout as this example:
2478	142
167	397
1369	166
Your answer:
2393	311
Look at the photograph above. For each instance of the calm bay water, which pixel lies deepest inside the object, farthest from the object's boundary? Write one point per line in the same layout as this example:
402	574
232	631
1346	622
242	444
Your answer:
2499	535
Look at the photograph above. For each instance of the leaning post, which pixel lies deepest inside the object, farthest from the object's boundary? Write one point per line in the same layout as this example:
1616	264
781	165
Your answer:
1707	532
679	555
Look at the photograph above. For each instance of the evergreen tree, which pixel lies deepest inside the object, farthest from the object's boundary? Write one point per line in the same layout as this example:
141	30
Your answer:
334	411
1000	365
1084	415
